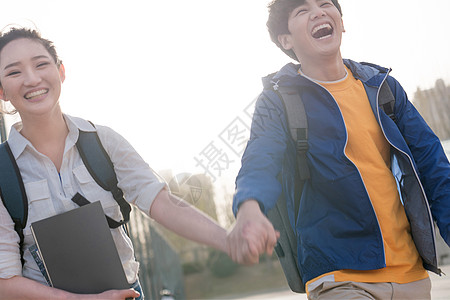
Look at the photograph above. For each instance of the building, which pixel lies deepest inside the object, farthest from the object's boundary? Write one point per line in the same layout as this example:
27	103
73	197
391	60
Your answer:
434	106
442	248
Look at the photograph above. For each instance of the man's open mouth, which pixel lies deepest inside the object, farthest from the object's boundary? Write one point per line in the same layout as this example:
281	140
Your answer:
322	31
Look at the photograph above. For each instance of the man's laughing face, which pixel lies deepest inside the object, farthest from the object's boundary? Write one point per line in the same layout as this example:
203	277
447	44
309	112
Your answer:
315	30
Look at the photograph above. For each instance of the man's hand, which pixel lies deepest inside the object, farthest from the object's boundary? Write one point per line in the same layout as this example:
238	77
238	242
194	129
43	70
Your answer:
251	235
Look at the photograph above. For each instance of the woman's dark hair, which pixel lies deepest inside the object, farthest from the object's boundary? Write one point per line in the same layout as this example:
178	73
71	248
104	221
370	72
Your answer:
16	33
277	22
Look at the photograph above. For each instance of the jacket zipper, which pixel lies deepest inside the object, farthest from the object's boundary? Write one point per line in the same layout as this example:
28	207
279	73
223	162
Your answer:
412	165
359	173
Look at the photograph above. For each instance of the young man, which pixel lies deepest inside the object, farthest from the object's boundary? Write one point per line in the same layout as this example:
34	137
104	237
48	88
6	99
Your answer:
365	220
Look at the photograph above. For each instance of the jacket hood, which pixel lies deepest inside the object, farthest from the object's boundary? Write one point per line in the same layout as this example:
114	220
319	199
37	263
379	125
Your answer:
288	75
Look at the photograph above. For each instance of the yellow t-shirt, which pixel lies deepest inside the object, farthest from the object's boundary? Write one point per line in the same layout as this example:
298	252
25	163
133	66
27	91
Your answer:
369	150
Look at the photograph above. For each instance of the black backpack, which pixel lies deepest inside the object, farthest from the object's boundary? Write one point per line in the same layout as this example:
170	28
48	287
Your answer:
97	162
294	109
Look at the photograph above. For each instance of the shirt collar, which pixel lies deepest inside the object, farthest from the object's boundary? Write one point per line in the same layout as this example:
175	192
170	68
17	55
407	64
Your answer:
18	143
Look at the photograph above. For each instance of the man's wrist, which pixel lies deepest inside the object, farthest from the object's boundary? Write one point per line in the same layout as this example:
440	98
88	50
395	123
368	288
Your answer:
250	205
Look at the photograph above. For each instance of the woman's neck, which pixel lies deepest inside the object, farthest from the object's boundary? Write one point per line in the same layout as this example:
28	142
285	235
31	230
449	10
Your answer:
48	136
41	128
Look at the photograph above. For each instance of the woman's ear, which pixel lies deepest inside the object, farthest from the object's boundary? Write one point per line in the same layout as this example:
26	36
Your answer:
62	72
285	41
2	94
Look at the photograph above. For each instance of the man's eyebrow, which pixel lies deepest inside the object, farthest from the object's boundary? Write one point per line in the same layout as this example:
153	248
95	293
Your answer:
18	63
304	3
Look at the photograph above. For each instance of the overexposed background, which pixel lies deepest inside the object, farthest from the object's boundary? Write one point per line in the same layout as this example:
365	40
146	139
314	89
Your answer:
171	76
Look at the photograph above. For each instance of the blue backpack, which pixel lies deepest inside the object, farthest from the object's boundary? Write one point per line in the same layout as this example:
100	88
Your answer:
295	113
97	162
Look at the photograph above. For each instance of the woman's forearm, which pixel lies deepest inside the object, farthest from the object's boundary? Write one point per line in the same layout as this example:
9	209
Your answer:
19	288
188	221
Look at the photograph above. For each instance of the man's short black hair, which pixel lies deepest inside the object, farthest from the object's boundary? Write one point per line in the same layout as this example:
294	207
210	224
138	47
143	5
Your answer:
277	22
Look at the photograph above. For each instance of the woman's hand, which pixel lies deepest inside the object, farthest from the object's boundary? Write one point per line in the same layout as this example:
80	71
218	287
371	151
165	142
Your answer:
19	287
118	294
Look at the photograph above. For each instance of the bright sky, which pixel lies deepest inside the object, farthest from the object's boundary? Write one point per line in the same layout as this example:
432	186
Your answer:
172	76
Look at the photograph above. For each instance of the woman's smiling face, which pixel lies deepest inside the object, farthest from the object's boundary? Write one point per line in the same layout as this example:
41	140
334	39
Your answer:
30	79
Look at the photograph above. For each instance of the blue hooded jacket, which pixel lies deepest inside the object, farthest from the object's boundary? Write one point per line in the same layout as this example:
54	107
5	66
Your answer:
336	223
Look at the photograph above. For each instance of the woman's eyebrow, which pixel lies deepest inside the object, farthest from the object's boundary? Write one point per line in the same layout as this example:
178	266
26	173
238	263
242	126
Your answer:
18	63
11	65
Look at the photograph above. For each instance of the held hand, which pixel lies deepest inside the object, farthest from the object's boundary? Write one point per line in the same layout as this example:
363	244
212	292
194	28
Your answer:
251	235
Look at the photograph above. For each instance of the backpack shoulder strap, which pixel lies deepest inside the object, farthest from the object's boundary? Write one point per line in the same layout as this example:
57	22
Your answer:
99	165
12	191
298	125
387	100
286	247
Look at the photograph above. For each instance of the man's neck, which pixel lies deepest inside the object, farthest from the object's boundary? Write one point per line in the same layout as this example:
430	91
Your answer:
324	70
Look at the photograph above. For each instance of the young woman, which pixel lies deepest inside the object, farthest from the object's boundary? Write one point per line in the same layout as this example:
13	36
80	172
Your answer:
43	144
